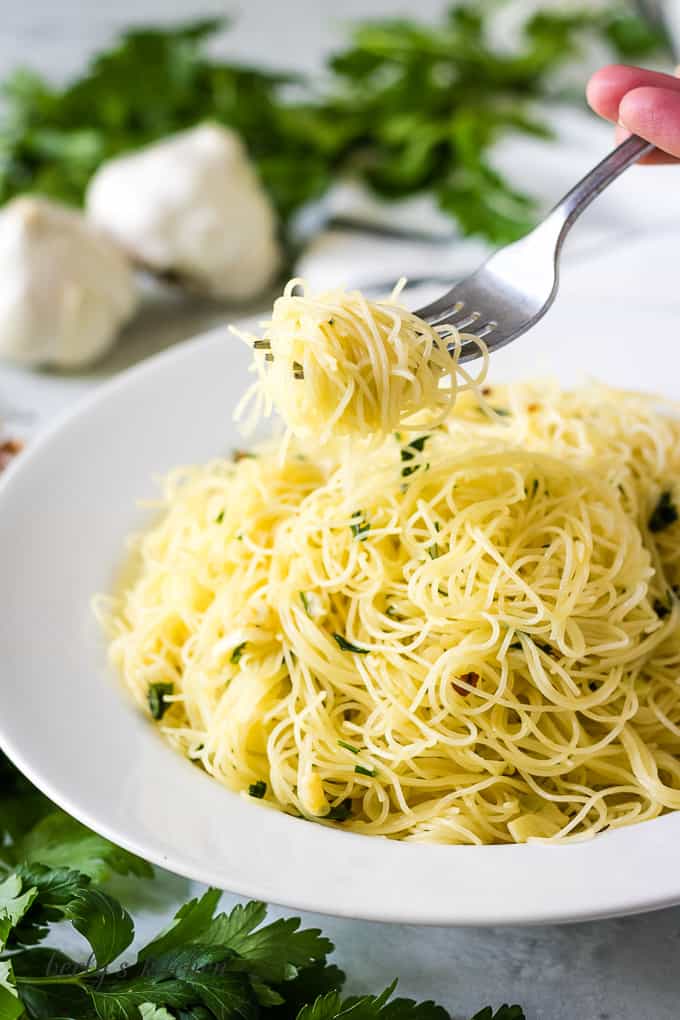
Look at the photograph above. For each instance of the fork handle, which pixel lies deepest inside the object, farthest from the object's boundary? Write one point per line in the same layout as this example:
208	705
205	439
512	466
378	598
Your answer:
568	209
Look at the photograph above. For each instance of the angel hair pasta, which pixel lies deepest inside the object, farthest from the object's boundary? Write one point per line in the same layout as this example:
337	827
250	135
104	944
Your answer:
468	635
337	364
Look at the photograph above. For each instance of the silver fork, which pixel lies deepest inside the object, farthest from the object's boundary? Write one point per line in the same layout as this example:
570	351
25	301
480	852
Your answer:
514	288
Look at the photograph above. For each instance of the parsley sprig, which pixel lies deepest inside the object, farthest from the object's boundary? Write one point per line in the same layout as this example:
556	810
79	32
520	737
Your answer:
406	107
205	965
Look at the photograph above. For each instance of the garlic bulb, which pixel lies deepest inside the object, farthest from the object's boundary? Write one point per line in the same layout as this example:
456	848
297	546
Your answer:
191	207
65	289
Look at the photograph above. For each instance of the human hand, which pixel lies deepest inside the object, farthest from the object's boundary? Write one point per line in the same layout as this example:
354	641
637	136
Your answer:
640	102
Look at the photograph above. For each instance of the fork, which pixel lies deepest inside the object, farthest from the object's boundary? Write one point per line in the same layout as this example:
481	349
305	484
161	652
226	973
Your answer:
516	286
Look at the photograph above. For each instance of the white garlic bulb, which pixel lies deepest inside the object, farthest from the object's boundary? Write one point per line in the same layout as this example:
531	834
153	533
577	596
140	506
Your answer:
65	289
191	207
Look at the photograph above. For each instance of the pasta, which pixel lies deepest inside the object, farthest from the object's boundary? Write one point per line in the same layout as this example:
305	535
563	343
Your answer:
338	364
469	634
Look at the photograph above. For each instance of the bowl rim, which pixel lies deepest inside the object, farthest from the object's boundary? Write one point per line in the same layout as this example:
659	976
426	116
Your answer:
323	870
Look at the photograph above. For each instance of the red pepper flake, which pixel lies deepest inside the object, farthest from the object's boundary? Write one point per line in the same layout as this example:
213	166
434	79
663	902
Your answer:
238	455
486	391
8	450
469	678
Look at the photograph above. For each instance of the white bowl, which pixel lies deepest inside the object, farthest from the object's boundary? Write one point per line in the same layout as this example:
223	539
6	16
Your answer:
66	508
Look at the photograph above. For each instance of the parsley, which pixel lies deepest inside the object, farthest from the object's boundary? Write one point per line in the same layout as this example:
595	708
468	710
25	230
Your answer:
235	657
664	513
502	412
156	695
409	451
348	747
341	812
220	517
347	646
406	106
305	602
663	607
361	770
258	789
361	527
205	965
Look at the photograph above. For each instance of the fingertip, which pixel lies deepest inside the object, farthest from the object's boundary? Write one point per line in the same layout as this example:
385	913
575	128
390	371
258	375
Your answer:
654	114
605	88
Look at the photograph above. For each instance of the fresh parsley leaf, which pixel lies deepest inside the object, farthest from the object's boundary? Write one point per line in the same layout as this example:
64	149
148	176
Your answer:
16	896
120	999
371	1007
220	517
502	1013
11	1006
59	841
103	922
189	923
258	789
361	770
156	696
347	646
310	983
664	513
237	653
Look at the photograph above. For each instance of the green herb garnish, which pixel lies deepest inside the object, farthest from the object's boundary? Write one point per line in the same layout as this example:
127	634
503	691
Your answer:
349	747
257	789
361	527
341	812
220	517
237	653
502	412
409	451
361	770
664	514
156	696
347	646
663	607
305	602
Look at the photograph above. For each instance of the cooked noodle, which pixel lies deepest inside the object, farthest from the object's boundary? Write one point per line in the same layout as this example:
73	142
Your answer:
336	364
467	635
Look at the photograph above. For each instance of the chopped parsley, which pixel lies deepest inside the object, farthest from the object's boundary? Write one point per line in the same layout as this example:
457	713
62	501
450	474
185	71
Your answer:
348	747
237	653
363	771
361	527
220	517
663	607
257	789
409	451
341	812
346	646
433	551
664	513
156	696
305	602
502	412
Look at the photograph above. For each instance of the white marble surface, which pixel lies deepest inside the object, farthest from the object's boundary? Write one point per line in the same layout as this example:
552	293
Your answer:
612	970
